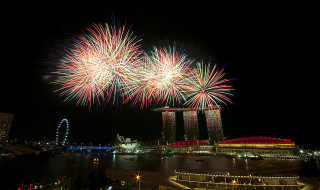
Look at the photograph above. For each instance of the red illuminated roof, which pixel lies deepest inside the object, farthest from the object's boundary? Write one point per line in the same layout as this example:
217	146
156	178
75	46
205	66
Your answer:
188	143
257	140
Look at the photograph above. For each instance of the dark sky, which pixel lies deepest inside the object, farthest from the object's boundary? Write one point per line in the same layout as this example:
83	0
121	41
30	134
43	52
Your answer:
266	48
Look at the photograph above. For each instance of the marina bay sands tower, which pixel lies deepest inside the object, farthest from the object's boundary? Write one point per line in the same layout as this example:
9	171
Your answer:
191	129
190	121
168	126
214	125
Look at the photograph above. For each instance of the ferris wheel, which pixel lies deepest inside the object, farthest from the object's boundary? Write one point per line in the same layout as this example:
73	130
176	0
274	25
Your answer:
63	134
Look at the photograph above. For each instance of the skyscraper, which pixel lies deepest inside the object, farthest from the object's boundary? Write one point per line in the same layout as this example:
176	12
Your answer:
5	124
169	126
214	125
191	131
191	128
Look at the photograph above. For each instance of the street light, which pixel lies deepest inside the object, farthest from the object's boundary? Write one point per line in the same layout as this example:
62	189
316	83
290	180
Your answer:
233	183
138	177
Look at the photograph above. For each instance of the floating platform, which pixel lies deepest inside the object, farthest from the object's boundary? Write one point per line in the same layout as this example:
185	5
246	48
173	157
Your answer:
236	180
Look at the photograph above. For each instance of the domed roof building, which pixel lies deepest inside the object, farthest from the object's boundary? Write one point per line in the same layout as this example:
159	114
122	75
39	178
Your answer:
257	145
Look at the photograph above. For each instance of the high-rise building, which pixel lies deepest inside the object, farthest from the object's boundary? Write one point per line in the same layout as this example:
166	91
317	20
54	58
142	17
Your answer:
169	126
5	124
191	131
214	125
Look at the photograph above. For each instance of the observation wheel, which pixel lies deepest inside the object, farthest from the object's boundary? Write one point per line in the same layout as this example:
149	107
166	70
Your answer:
63	134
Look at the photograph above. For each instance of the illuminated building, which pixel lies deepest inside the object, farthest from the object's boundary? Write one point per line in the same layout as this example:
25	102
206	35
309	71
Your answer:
125	144
191	131
168	127
257	145
214	125
5	124
190	146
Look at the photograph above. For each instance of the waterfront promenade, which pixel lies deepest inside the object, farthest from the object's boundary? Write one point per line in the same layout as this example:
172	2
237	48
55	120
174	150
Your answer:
127	179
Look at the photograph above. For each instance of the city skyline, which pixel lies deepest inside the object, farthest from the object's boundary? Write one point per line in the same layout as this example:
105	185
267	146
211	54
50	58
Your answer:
255	44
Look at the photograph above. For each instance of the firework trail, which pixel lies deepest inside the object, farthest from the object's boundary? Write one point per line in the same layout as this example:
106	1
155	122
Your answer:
159	78
205	87
98	66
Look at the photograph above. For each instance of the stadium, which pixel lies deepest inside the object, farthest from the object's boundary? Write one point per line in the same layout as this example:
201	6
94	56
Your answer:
257	145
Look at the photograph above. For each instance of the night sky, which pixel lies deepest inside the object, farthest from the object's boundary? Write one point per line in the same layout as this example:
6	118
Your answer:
264	46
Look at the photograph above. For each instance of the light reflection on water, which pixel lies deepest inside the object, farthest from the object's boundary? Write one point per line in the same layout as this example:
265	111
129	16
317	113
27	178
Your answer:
73	164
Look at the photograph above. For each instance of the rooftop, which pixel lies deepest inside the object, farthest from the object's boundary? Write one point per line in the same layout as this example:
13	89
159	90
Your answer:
257	140
167	108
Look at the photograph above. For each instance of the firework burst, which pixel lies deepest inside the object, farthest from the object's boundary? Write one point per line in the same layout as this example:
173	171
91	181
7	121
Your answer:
159	78
205	87
98	66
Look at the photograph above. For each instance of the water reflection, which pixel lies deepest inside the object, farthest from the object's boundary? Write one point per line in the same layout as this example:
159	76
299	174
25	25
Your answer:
246	165
79	166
